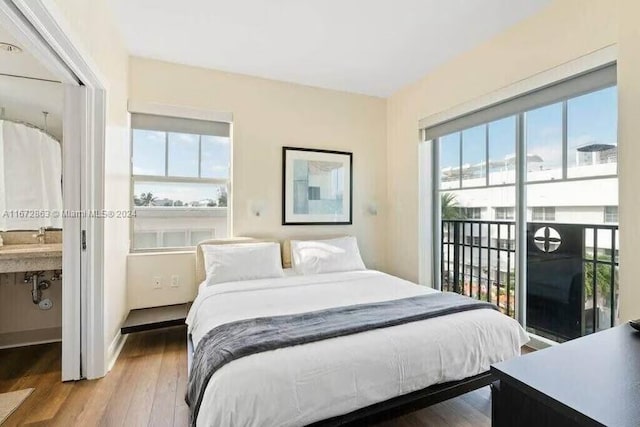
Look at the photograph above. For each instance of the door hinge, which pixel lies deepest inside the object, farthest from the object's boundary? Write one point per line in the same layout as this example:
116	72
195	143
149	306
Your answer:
84	240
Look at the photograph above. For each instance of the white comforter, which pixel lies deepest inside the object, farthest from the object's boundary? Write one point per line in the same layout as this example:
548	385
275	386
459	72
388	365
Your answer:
299	385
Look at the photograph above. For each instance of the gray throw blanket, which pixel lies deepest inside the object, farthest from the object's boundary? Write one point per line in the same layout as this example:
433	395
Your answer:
232	341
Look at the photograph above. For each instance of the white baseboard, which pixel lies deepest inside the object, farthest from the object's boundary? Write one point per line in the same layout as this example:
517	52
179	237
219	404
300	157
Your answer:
114	349
30	337
27	344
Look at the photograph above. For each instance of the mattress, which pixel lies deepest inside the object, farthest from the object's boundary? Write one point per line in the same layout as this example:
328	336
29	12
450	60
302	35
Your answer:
300	385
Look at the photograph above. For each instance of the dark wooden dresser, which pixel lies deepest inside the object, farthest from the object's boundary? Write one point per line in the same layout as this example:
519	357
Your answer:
590	381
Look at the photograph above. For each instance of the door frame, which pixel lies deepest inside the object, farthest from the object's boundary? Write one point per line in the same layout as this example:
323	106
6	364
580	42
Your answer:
38	26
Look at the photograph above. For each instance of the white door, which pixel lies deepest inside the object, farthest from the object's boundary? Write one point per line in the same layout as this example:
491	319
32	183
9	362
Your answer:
72	257
33	24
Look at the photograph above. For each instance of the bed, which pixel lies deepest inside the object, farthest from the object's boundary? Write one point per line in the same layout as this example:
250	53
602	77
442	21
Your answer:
345	379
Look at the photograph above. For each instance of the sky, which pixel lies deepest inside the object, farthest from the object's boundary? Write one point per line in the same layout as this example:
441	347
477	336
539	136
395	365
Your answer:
590	118
149	159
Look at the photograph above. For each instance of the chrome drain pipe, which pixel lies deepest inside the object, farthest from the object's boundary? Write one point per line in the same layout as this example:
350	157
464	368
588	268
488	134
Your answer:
37	286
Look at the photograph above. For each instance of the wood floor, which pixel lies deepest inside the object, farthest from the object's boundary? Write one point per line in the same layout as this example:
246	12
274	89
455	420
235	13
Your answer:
146	388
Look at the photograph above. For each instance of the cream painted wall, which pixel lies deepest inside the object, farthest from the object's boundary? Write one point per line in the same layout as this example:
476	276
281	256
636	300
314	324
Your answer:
143	269
629	131
562	32
90	26
268	115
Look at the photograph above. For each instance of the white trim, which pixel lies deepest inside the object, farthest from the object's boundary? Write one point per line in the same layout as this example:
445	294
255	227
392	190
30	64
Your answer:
50	23
191	251
12	19
71	257
93	200
115	348
178	111
90	104
425	217
561	72
29	343
180	179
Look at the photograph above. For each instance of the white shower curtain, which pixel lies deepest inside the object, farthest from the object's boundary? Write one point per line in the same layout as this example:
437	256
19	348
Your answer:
30	178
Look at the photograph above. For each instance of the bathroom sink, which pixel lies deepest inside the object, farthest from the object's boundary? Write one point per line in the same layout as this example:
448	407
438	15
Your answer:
29	250
30	257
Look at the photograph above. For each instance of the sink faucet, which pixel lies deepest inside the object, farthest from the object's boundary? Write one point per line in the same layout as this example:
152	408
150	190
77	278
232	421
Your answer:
40	235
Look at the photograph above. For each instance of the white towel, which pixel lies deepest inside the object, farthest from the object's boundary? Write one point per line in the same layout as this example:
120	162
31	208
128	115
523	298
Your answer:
30	178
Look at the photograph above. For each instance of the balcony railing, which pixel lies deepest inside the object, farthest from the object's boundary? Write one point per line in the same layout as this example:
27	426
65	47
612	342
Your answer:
572	272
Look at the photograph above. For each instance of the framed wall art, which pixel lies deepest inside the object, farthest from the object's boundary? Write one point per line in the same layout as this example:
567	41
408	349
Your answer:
317	187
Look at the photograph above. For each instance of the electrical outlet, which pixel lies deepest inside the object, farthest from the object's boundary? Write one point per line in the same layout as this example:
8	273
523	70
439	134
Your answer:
157	282
175	281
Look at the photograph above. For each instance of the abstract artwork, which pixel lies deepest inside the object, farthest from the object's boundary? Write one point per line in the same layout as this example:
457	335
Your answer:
316	186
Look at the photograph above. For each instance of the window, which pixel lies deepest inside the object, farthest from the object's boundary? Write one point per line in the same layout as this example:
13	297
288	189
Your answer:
506	244
549	150
472	213
180	173
314	193
592	123
474	154
611	214
543	214
502	151
569	132
505	213
544	143
473	241
450	161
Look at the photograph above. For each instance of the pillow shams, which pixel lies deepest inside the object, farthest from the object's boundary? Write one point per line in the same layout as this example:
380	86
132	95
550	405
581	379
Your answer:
326	256
237	262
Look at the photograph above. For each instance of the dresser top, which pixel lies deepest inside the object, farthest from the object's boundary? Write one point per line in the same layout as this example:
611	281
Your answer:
594	379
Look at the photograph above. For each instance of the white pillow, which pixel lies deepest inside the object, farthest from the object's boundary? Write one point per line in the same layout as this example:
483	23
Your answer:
246	261
326	256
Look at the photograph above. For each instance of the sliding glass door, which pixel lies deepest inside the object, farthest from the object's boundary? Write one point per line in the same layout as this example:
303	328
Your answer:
571	185
477	197
526	206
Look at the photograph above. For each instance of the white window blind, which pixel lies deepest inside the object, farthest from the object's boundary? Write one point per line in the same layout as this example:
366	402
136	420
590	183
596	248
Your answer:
179	125
575	86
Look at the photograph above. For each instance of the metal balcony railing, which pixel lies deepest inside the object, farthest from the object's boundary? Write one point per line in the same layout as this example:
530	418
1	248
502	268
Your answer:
572	272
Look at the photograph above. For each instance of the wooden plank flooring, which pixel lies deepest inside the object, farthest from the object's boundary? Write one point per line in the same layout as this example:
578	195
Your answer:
146	388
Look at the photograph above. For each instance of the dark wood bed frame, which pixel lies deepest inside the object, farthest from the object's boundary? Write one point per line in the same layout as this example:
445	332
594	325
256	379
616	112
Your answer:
399	405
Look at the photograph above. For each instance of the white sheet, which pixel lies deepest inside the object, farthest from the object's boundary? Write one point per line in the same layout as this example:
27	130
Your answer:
299	385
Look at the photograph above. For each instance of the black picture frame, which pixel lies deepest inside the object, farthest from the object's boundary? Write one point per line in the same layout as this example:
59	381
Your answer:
287	221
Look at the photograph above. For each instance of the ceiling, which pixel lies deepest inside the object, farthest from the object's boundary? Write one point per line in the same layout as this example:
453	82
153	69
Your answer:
372	47
21	64
25	99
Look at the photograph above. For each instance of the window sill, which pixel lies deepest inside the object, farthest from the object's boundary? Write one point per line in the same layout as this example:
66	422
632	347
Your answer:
148	252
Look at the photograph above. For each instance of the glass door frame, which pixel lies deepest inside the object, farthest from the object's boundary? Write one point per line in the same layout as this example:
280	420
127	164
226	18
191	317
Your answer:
520	217
520	185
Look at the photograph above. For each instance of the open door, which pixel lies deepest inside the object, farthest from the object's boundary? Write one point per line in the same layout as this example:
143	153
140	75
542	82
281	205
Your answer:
72	258
34	25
